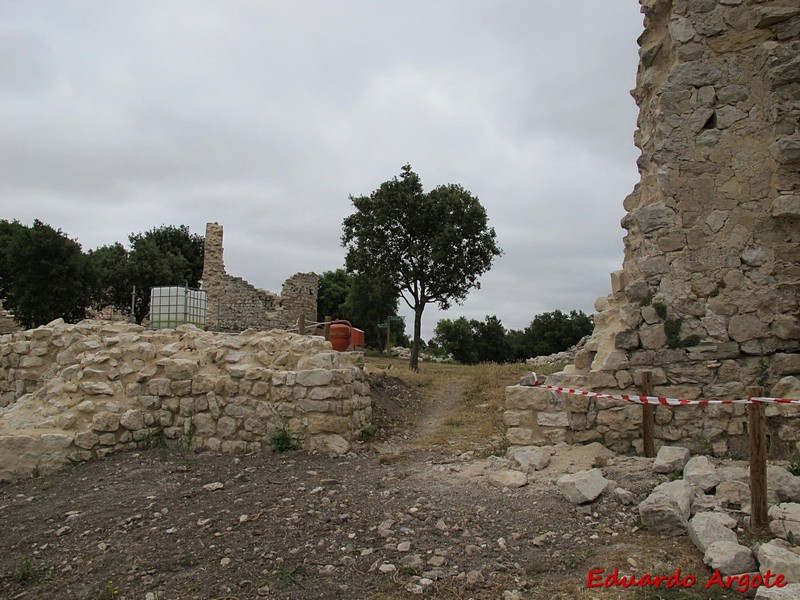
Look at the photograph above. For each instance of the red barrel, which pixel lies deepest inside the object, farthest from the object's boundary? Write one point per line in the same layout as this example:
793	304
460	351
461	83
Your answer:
340	336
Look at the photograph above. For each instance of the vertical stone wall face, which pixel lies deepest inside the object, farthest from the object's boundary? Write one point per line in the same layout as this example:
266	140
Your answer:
236	305
299	297
77	392
709	294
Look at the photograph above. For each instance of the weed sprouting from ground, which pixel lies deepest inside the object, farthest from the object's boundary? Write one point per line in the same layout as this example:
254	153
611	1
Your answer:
282	441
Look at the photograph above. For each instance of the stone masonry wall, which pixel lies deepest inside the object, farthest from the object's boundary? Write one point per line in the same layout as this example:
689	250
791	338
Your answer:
235	305
709	294
76	392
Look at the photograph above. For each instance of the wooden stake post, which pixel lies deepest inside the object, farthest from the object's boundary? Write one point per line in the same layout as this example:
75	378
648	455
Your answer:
327	329
301	325
757	428
648	419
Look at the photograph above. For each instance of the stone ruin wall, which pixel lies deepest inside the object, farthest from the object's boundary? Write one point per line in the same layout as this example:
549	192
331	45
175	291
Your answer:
236	305
709	294
71	393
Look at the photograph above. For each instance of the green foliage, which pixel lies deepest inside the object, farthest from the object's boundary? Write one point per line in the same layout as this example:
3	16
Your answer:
364	300
661	310
43	274
457	338
432	246
549	333
368	432
112	276
490	340
472	341
763	374
25	572
672	329
163	256
282	441
332	293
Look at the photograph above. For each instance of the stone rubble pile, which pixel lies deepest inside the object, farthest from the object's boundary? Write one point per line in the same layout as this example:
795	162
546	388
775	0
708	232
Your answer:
76	392
697	505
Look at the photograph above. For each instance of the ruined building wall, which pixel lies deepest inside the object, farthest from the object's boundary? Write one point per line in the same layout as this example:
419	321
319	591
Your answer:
71	393
708	297
236	305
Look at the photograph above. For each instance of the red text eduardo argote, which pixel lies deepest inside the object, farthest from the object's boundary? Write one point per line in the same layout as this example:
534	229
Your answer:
741	583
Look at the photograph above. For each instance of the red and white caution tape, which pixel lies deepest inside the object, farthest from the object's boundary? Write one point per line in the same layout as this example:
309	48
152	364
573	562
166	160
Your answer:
533	380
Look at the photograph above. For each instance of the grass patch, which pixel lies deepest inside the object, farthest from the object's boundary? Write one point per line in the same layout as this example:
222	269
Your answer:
392	459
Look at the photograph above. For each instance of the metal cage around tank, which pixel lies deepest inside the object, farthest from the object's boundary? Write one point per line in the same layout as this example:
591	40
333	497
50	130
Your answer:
171	306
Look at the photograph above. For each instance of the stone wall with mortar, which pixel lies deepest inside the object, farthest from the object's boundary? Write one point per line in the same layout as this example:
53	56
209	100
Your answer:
709	294
236	305
76	392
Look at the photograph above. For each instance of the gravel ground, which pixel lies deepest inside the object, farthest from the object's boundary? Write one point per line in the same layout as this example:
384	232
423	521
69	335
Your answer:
391	520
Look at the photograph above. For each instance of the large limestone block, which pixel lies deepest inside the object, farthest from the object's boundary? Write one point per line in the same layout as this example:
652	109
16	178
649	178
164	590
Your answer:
730	558
330	443
507	478
582	487
178	368
523	436
19	455
785	519
778	557
522	397
782	486
733	494
670	458
529	458
787	592
701	473
705	528
105	421
553	419
314	377
666	510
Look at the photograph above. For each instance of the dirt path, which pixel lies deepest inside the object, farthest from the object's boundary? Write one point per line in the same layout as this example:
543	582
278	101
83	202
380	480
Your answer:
445	407
421	520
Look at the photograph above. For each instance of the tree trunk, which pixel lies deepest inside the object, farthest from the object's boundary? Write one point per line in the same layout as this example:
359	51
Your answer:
414	362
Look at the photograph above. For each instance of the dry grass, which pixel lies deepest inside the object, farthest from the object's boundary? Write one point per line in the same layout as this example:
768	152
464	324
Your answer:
473	419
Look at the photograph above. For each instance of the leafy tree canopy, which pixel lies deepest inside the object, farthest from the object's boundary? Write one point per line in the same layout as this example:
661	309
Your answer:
551	332
44	275
432	246
113	281
363	300
163	256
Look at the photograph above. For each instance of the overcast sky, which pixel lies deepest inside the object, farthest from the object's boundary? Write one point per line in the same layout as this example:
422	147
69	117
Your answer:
265	116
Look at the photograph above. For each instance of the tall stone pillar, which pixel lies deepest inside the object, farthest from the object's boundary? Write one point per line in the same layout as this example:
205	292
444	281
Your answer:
213	265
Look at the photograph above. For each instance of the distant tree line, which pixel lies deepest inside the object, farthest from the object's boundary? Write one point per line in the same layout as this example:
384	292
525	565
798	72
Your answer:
45	275
472	341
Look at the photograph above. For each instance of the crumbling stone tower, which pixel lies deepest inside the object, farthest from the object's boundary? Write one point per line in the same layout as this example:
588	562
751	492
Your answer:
235	305
709	294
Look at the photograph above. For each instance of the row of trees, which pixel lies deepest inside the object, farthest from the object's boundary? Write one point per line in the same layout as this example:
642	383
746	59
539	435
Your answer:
44	274
472	341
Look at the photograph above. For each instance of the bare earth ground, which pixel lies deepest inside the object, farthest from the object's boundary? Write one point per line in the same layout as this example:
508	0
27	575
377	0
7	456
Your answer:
409	514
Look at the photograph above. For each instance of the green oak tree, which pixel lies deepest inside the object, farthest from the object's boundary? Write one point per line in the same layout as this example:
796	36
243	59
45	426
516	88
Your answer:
163	256
112	275
432	246
44	275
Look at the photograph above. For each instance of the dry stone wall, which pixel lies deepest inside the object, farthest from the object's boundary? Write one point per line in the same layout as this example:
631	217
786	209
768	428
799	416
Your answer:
236	305
76	392
709	294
